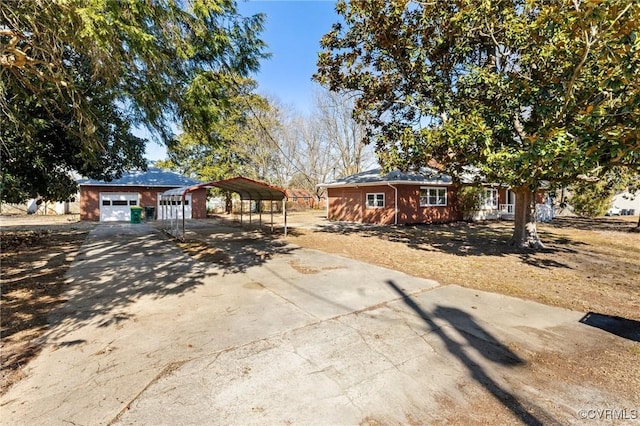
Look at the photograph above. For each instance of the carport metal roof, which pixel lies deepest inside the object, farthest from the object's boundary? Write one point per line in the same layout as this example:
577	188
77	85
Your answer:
248	189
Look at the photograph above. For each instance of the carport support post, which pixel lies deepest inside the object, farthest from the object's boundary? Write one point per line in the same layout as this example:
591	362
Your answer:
250	200
260	215
183	198
241	203
271	216
284	210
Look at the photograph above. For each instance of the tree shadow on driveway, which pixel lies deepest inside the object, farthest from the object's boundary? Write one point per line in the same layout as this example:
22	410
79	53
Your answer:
119	265
234	251
486	345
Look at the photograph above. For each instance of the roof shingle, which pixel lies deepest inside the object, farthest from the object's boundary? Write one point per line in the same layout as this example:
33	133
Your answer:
153	176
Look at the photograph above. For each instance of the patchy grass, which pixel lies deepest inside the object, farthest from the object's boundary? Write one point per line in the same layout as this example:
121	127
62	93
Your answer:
34	262
585	268
589	265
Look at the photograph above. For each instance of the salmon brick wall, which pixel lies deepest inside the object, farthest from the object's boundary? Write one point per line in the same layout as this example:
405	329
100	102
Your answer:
90	199
349	204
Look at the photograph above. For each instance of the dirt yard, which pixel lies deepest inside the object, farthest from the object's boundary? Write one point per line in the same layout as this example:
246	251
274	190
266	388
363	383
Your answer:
588	266
36	252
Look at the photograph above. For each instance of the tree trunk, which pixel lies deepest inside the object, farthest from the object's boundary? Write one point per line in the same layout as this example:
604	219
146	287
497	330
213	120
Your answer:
525	234
228	203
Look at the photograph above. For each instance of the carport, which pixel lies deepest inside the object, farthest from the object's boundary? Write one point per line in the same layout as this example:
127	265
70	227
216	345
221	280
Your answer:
173	201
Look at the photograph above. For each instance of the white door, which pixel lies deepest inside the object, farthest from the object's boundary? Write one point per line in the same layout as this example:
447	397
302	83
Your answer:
173	209
115	206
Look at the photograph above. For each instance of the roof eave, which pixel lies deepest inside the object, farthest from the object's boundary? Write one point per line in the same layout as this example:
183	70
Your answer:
124	185
383	183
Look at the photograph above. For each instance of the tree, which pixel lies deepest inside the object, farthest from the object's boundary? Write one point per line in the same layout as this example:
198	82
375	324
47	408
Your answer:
233	135
325	143
41	167
519	91
591	199
219	145
308	151
594	198
138	58
334	116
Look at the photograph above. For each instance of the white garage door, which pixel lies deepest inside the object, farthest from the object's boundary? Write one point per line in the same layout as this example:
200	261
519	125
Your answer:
116	206
173	209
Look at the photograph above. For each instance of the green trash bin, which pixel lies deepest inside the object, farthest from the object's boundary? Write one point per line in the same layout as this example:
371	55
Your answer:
149	213
136	214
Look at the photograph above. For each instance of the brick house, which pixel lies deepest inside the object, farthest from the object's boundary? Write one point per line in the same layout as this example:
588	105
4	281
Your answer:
427	196
111	201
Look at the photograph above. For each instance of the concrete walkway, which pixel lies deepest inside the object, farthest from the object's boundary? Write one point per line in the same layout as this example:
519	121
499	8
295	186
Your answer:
285	335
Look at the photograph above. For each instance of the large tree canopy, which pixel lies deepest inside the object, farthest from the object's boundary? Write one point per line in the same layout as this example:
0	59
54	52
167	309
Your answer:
231	138
523	91
76	76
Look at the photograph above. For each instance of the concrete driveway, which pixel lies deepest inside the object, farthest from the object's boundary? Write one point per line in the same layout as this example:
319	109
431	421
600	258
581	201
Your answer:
281	335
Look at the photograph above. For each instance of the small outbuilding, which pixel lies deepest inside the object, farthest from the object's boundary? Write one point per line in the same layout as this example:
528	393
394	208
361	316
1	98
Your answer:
111	201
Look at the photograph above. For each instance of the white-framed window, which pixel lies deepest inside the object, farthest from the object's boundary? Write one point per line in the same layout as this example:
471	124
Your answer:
433	197
490	199
375	200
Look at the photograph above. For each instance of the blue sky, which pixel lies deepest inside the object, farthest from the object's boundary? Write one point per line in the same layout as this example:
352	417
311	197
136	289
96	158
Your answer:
292	32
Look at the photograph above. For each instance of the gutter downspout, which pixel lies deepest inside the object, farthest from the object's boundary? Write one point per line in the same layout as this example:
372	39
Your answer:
183	211
326	201
395	213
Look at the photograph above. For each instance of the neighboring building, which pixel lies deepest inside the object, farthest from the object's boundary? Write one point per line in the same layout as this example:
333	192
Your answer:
37	206
428	196
304	198
112	201
626	203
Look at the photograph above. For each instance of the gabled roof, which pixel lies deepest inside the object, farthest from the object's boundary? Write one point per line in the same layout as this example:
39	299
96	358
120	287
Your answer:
248	189
152	177
425	176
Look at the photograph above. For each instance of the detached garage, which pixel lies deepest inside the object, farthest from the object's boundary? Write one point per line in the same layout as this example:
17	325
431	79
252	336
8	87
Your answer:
112	201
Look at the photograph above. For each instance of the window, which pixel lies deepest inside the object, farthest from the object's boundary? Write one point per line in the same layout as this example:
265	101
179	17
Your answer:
490	199
106	202
433	197
119	203
133	203
375	201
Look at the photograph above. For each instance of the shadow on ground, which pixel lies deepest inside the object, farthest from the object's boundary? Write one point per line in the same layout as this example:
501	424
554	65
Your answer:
231	247
461	239
622	224
622	327
484	343
117	266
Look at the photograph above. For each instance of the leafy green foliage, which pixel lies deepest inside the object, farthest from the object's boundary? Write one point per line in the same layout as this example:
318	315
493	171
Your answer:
41	163
523	90
594	198
138	59
225	136
591	199
470	199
